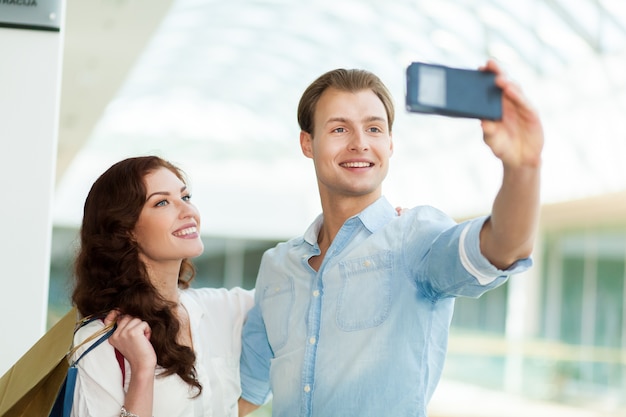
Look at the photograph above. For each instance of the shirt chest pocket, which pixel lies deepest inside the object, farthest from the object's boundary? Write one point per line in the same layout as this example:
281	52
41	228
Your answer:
276	304
364	298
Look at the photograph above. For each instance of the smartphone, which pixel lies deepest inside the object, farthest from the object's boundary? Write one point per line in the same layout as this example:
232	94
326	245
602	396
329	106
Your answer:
455	92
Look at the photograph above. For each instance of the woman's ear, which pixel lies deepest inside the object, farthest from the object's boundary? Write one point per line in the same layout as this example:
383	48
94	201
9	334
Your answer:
130	234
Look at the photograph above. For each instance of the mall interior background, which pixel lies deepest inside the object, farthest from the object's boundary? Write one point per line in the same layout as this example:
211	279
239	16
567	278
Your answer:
213	86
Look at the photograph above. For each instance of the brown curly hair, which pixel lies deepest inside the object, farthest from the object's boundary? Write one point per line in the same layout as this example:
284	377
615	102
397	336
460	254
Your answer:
109	273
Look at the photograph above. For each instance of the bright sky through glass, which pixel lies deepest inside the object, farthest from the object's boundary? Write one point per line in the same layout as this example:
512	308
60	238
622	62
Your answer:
217	88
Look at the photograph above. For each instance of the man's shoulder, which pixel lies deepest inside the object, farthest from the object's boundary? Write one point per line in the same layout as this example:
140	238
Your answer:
285	246
424	214
428	211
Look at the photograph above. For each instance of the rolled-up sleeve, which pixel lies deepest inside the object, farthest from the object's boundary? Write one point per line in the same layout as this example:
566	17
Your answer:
475	262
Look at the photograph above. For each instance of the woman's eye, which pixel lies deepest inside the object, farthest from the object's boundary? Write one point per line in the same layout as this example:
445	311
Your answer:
187	197
161	203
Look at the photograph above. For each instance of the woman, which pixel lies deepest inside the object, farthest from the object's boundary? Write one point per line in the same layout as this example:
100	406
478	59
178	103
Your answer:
176	349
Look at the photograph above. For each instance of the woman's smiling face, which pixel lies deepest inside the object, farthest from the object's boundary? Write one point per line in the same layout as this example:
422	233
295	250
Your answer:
168	228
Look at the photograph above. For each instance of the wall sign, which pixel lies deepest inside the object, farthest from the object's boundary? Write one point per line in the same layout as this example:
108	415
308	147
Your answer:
31	14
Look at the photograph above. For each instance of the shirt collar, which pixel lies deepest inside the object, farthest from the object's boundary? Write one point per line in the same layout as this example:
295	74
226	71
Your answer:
310	236
376	215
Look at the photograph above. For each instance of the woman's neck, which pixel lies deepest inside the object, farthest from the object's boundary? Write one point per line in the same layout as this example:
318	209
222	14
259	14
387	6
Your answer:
165	280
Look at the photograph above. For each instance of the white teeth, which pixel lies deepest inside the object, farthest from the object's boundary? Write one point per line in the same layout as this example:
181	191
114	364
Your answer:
356	164
187	231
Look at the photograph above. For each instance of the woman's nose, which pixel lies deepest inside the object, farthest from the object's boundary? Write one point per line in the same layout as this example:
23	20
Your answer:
187	210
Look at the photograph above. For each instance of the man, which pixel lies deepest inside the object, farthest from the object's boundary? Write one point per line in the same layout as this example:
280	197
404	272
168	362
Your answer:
352	318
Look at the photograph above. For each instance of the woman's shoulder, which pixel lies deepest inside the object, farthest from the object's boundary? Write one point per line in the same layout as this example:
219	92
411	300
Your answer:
220	298
217	293
88	329
85	336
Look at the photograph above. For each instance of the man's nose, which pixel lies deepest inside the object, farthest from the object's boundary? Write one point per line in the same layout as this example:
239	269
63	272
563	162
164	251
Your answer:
358	141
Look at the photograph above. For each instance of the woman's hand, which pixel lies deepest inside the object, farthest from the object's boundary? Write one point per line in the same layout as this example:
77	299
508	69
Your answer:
400	210
132	339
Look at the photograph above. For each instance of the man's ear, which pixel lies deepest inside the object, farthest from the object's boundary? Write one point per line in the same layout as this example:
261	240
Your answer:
390	145
306	144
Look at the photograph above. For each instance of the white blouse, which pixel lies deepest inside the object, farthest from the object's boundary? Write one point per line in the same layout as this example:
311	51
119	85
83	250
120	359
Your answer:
217	317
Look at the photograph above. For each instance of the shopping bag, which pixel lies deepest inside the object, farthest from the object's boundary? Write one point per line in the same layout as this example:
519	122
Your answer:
30	386
62	406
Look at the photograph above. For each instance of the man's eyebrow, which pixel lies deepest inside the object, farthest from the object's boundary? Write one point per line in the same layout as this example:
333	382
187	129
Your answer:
375	119
336	119
367	119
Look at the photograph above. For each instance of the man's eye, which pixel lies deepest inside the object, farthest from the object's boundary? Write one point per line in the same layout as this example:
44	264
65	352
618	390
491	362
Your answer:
339	130
375	130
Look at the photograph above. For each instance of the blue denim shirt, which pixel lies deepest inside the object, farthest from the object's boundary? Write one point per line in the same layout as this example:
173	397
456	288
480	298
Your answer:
367	334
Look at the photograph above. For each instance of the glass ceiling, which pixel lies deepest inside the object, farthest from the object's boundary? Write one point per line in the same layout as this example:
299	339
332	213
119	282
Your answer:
216	91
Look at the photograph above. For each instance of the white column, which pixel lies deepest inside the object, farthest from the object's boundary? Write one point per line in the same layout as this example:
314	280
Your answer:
522	321
30	74
624	329
234	267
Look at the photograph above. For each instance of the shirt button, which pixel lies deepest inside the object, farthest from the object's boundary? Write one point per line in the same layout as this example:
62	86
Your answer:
307	388
312	340
316	293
